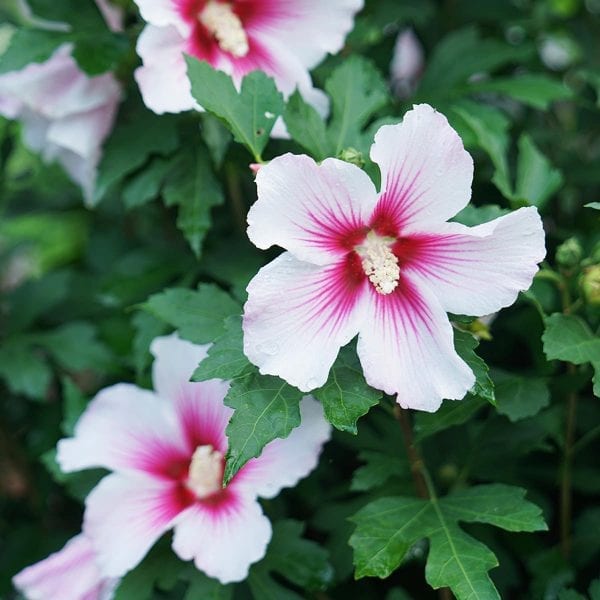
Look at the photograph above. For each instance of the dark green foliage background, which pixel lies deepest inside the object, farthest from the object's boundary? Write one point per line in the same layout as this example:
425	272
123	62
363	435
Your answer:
164	247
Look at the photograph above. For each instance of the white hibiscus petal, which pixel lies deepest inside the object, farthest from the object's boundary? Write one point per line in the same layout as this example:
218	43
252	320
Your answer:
479	270
162	78
297	317
426	173
124	428
69	574
225	539
407	349
311	210
162	13
125	514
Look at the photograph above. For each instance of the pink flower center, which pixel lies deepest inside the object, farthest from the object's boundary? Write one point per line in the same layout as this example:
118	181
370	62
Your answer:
379	263
226	27
206	472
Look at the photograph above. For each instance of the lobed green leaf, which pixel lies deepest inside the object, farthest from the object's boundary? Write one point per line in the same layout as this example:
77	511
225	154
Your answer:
346	396
198	315
266	408
250	114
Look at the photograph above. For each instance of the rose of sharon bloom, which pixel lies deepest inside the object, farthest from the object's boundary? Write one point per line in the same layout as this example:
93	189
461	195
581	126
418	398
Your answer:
166	450
407	63
284	38
69	574
384	266
66	115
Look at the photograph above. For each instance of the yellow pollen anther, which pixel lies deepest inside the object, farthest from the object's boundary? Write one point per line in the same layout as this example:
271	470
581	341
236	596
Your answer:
206	471
226	26
379	263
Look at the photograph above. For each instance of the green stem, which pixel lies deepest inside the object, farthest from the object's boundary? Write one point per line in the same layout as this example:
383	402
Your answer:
423	483
417	466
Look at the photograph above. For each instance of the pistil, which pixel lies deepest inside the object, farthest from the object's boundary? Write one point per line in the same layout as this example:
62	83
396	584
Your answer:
206	471
227	28
379	262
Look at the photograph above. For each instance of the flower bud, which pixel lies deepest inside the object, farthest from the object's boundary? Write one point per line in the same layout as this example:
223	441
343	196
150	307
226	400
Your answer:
569	253
590	285
352	155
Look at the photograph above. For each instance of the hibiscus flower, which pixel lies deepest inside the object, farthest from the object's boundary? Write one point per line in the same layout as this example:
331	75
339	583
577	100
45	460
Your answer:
166	450
384	266
66	115
284	38
69	574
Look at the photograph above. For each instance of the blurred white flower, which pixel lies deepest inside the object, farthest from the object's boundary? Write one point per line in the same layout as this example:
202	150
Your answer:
66	115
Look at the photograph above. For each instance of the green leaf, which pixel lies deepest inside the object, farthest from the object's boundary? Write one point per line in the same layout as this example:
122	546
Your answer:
357	91
302	562
265	408
75	347
472	215
226	358
452	412
533	89
197	315
461	54
489	127
98	51
250	114
193	187
519	397
52	239
36	297
146	185
388	527
159	569
81	15
306	126
569	338
378	469
137	136
264	587
236	274
23	369
465	345
74	403
205	588
216	137
147	327
346	396
537	180
496	504
29	46
594	205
